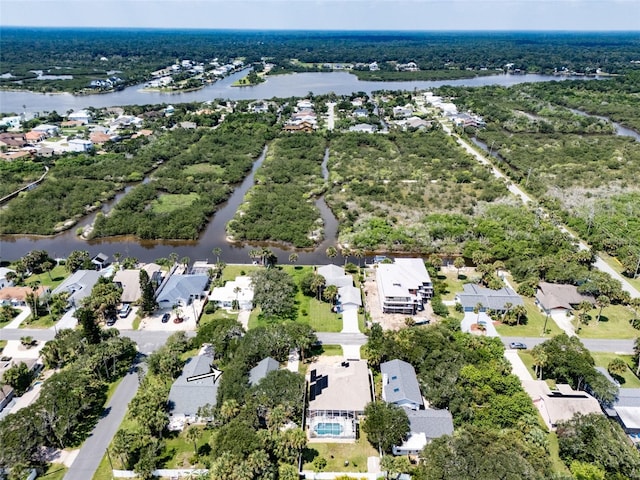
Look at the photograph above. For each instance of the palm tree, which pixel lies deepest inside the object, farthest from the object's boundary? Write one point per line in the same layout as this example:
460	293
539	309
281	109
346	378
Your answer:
436	261
237	290
359	254
217	251
173	257
193	434
345	252
458	263
330	293
507	310
498	265
254	254
477	309
185	261
318	284
519	311
268	257
293	257
617	367
332	252
540	359
602	301
583	309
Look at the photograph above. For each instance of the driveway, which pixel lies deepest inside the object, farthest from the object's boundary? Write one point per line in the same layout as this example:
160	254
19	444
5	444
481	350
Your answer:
350	321
518	368
471	319
22	316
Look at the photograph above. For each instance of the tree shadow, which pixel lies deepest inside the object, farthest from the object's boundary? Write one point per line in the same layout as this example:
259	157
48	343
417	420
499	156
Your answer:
462	276
204	450
618	378
309	454
603	319
316	350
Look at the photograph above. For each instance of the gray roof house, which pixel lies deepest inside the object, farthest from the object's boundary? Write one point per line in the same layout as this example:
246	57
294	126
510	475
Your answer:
78	286
261	370
185	398
349	298
182	289
400	384
335	275
129	281
489	299
425	426
555	296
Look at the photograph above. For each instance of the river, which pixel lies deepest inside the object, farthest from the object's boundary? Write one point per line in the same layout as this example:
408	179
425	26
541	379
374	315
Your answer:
282	86
13	247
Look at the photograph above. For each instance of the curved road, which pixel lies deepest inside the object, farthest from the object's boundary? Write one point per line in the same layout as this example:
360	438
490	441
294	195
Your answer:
525	198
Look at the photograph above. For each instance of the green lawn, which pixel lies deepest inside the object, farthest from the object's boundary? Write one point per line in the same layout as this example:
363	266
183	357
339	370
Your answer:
614	323
167	203
178	452
51	279
533	327
329	350
557	465
219	314
629	379
454	283
337	453
104	470
230	272
3	343
112	389
203	169
56	471
44	321
615	264
527	359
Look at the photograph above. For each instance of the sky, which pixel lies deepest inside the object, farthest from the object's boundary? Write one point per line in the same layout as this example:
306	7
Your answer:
424	15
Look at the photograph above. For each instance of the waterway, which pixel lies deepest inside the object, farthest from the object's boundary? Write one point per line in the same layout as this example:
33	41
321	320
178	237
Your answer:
12	247
282	86
620	130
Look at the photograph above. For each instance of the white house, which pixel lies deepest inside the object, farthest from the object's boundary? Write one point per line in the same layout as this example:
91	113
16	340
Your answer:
239	289
3	277
403	286
48	130
82	116
11	122
80	145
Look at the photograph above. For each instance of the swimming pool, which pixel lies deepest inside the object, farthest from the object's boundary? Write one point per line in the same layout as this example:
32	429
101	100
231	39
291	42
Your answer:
328	429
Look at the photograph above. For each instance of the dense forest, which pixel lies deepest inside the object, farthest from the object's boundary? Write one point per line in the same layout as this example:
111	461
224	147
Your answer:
90	53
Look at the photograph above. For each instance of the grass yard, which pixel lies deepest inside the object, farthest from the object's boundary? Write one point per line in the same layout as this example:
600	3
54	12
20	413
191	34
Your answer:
230	272
454	283
329	350
104	470
56	471
617	266
527	359
534	325
50	279
614	323
629	379
219	314
557	465
44	321
178	451
3	343
167	203
337	453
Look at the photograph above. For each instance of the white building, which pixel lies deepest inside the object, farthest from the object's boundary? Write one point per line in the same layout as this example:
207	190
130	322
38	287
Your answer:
81	116
3	277
403	286
239	289
80	145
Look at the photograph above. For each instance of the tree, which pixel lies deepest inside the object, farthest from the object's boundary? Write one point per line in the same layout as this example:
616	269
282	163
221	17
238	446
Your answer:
19	377
435	261
586	471
345	252
539	359
583	310
385	424
90	328
519	311
148	301
193	434
77	260
104	299
330	293
293	257
617	367
217	251
332	252
317	284
601	302
359	254
458	263
274	292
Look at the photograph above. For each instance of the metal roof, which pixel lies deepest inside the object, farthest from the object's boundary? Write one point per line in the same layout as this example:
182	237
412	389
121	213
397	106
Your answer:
401	382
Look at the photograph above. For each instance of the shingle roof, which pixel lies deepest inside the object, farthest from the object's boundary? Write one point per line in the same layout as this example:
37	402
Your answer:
78	285
491	299
402	383
261	370
433	423
350	294
186	397
335	275
555	295
179	288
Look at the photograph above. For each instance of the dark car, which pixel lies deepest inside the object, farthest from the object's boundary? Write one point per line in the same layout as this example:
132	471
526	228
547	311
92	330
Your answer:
165	318
517	346
111	321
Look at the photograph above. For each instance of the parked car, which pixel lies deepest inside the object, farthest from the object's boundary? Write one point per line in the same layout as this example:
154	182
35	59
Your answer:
111	321
165	318
517	346
124	311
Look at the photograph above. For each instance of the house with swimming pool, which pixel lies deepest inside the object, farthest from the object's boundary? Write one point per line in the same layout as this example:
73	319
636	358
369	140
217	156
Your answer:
339	391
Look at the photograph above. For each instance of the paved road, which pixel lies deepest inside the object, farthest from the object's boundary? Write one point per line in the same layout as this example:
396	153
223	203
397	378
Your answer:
525	198
331	119
603	345
94	448
342	338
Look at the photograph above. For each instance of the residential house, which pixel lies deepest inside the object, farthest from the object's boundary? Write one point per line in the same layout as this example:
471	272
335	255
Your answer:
262	369
335	275
129	281
626	410
100	261
240	289
186	396
14	155
403	112
424	427
349	298
400	385
556	297
403	286
301	127
9	139
82	116
497	300
34	137
80	145
338	395
417	123
78	286
4	281
182	290
11	122
48	130
17	296
363	128
361	113
98	138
